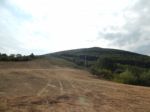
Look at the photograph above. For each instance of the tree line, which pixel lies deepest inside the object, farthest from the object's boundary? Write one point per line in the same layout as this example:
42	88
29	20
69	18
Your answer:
16	57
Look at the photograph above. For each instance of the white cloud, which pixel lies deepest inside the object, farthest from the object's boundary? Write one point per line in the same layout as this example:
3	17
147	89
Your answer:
134	34
44	26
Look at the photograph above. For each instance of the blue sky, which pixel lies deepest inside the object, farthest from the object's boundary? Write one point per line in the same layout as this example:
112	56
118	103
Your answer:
44	26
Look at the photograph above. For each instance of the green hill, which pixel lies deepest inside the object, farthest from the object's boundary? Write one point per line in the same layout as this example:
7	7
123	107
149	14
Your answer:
117	65
89	56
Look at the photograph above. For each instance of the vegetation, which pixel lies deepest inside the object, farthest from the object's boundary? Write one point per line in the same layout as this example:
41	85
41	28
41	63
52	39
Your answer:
123	72
116	65
17	57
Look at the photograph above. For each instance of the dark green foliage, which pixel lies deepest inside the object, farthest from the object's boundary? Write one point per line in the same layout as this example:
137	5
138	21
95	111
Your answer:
106	63
127	74
31	55
145	78
126	77
3	57
17	57
102	73
133	77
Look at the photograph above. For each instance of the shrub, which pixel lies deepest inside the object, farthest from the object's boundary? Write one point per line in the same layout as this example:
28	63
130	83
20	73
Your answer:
126	77
145	78
102	73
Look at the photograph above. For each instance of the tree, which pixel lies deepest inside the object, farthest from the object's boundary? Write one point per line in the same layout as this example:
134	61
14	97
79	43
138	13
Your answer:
12	57
31	55
18	55
4	57
106	63
126	77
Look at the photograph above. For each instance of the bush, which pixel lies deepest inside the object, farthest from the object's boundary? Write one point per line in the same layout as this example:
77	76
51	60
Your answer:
106	74
126	77
102	73
122	73
145	78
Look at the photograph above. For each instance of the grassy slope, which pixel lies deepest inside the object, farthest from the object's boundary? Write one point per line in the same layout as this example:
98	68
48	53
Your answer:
37	63
65	89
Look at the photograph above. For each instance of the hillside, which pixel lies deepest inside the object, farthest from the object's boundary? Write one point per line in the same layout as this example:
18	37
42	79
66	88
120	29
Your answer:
92	54
111	64
52	86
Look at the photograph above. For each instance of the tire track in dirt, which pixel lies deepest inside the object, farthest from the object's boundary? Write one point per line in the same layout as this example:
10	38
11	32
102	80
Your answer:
73	86
61	87
45	88
42	90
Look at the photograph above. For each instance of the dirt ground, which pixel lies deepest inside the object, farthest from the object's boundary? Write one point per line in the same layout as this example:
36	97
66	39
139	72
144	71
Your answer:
60	89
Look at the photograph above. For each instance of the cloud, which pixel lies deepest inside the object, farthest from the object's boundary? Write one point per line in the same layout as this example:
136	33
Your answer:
19	32
45	26
11	19
134	35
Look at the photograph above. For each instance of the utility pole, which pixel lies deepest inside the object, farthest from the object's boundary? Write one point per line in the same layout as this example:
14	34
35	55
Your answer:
85	61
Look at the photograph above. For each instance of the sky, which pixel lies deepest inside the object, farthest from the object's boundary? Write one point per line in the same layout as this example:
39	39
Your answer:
45	26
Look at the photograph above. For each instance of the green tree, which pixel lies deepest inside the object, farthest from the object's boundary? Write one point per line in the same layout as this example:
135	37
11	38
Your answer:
126	77
145	78
106	63
32	55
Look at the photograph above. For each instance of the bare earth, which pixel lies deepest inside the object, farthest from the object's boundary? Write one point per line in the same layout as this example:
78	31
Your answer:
62	89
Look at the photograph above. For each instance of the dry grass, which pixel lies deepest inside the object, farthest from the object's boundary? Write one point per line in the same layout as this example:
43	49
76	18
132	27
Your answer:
37	64
58	89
